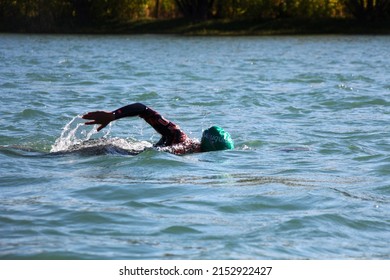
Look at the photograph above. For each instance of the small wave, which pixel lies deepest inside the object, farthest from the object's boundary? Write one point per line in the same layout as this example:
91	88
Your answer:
105	146
29	113
77	138
19	151
363	196
180	230
102	146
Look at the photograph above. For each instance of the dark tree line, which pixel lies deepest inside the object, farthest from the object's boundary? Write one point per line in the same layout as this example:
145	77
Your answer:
369	9
52	15
195	9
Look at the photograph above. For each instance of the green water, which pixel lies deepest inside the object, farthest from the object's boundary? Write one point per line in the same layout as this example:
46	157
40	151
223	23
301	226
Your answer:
309	178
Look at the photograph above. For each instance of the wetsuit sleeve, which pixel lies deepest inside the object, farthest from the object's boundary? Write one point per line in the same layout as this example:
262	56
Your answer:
131	110
171	133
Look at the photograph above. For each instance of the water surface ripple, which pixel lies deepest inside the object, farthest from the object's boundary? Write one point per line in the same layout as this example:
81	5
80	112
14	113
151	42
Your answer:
309	178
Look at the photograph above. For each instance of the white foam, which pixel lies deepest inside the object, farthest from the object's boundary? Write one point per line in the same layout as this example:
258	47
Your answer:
77	137
75	132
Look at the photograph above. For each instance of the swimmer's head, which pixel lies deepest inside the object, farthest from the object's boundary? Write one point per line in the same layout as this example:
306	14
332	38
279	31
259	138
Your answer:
215	139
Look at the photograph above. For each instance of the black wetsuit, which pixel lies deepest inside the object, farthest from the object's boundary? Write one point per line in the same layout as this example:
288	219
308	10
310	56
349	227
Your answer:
171	133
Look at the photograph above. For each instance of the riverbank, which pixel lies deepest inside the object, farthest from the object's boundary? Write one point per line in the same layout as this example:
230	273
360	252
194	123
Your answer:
245	27
291	26
223	27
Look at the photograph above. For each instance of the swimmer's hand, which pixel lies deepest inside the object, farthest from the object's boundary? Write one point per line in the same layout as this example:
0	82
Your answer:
102	118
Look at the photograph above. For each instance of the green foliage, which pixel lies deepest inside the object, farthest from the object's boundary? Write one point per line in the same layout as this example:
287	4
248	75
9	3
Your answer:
33	14
313	8
59	15
260	9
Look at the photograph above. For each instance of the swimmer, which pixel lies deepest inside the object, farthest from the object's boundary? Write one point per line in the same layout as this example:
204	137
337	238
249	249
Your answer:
173	139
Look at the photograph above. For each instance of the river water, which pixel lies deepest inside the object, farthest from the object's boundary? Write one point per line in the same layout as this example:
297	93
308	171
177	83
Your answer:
309	177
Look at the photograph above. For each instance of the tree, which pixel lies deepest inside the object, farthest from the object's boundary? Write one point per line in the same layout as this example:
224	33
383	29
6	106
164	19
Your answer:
195	9
82	11
369	10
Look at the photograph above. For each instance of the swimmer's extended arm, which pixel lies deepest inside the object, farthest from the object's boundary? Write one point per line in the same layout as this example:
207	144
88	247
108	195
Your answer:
103	118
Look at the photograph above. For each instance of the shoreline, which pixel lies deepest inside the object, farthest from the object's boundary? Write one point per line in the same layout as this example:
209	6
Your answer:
292	26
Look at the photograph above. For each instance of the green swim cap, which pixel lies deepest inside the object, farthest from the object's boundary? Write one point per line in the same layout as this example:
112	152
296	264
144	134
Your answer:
215	138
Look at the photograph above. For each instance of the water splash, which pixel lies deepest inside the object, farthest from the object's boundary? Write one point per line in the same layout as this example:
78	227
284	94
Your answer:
78	138
75	133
